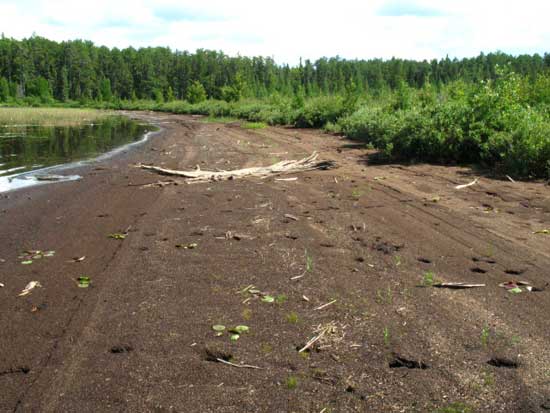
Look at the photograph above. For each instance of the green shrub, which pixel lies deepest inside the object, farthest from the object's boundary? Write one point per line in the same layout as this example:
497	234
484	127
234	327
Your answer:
317	112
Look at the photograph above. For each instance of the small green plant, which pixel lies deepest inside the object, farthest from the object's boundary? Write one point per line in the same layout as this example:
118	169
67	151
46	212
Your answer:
291	382
266	348
281	299
488	379
397	260
292	318
356	194
485	333
246	314
387	336
309	262
428	279
384	296
515	340
455	408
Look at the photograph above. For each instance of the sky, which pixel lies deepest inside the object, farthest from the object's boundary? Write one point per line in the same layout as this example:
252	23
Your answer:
289	29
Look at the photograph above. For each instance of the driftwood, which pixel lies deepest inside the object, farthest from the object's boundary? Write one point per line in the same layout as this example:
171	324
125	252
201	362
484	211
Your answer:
283	167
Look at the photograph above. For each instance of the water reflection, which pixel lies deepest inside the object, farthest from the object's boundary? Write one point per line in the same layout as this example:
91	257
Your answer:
27	148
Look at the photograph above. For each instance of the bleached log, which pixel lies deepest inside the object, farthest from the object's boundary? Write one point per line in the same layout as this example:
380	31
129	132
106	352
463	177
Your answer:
283	167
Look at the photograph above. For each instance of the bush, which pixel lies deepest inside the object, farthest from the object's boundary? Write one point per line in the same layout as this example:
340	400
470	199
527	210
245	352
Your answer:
317	112
196	92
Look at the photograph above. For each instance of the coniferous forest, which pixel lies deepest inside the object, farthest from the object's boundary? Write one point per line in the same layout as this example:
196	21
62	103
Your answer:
492	109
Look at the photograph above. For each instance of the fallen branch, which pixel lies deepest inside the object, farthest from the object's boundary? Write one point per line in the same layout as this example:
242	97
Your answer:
240	366
475	181
283	167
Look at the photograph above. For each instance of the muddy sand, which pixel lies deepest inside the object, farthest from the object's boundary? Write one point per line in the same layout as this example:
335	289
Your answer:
367	239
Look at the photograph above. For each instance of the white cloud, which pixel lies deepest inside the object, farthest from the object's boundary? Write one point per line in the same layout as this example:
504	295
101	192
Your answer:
286	30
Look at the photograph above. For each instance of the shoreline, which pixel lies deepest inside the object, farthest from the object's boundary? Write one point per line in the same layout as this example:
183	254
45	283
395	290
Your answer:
6	182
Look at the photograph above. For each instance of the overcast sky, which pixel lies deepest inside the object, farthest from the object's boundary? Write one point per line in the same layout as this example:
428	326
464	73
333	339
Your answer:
288	29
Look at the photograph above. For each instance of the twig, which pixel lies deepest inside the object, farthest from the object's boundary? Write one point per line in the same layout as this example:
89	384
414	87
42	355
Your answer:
244	290
475	181
314	340
240	366
299	276
458	286
324	305
510	179
159	184
286	179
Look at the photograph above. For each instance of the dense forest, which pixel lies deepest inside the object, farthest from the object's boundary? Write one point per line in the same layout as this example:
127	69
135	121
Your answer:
492	110
80	71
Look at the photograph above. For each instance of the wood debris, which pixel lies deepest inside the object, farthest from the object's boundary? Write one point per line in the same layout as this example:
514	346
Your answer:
475	181
458	285
30	286
306	164
240	366
159	184
324	305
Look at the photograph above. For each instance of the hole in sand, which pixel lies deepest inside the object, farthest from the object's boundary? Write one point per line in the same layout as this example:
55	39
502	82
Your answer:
424	260
514	272
478	270
121	349
402	362
503	362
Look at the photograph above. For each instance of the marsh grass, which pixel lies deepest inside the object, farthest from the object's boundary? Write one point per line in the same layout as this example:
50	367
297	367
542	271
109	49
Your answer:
50	116
254	125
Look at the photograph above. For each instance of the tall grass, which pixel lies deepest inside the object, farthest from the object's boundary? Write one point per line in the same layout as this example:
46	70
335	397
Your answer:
50	116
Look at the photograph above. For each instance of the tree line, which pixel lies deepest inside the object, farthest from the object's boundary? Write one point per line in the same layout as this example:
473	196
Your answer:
38	68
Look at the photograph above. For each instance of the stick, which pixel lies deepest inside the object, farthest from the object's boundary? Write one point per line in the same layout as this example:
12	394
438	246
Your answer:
458	285
286	179
324	305
159	184
299	276
475	181
510	179
240	366
313	340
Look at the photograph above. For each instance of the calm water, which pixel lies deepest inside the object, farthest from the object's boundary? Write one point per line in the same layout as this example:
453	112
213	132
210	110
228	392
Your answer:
32	148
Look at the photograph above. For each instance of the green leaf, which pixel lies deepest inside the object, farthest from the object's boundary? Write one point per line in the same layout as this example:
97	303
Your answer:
28	262
240	329
234	337
117	236
83	282
218	328
268	299
516	290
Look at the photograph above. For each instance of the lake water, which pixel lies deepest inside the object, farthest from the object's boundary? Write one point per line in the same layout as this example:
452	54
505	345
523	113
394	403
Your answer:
26	151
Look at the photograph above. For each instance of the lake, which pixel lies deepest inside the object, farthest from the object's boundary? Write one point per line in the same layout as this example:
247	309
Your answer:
26	150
